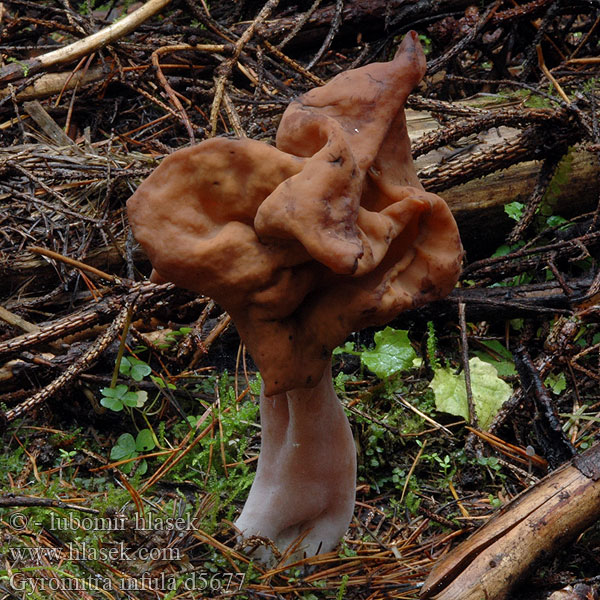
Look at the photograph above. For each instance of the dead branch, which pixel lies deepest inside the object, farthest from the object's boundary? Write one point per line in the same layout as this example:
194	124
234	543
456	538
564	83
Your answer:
535	524
133	299
85	46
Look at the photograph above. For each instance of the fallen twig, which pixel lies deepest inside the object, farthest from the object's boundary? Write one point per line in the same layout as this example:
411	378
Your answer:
85	46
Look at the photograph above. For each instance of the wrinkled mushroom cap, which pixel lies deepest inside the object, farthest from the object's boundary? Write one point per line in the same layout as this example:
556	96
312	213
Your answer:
304	243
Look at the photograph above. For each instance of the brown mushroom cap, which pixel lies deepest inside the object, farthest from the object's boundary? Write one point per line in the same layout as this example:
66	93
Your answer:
302	244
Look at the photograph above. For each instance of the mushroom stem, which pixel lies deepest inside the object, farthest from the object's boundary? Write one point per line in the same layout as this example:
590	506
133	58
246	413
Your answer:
306	475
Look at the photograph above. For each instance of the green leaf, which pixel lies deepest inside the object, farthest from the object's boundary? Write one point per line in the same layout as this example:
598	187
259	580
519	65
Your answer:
124	366
347	348
392	353
126	441
505	249
23	65
497	356
160	382
111	403
117	392
125	447
126	468
144	441
514	210
141	398
557	383
114	398
130	399
502	250
497	348
139	369
555	221
489	392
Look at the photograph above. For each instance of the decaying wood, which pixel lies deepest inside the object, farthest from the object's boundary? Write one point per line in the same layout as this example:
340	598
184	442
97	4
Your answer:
72	371
523	300
579	591
478	204
363	13
533	526
17	321
48	125
12	500
54	83
102	311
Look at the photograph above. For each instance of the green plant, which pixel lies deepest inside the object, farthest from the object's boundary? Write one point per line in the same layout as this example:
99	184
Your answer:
219	462
432	345
506	249
426	43
128	447
375	448
120	396
492	464
346	551
545	210
495	502
557	382
514	210
497	355
444	463
412	502
87	6
66	455
392	353
342	589
134	367
173	337
23	65
488	390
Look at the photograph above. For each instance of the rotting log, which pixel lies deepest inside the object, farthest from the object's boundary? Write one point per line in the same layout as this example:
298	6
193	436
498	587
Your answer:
530	528
520	301
55	83
478	205
358	16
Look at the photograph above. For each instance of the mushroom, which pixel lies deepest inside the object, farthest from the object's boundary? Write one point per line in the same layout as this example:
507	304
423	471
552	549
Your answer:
303	243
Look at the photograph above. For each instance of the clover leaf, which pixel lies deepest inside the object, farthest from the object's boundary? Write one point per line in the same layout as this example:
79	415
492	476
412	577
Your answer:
144	441
117	397
134	367
124	448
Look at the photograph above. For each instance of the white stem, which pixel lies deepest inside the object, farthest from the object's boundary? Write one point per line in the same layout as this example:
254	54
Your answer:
306	474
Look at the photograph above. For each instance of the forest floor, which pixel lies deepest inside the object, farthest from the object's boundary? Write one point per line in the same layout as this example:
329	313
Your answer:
130	410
